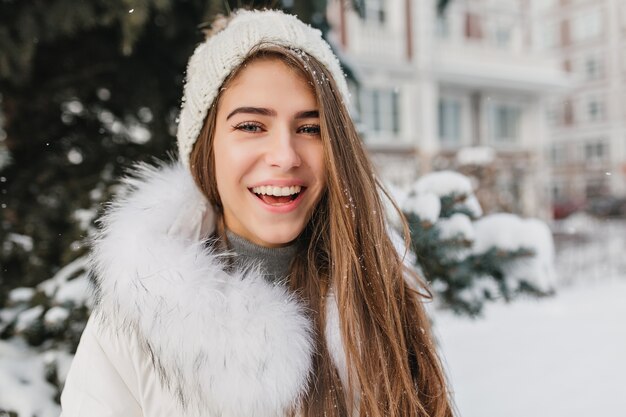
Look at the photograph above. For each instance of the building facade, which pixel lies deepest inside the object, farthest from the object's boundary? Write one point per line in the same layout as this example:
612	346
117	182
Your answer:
430	86
588	123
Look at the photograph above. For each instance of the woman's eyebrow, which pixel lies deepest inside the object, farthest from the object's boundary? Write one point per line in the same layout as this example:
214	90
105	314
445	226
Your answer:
253	110
306	114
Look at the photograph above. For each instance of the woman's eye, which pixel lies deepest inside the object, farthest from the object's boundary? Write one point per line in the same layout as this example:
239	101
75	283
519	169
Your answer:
310	129
249	127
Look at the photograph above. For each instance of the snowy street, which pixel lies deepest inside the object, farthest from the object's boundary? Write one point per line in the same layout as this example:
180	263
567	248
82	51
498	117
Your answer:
554	357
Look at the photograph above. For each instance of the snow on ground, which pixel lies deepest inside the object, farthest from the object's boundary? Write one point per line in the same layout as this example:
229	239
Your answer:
554	357
564	356
22	386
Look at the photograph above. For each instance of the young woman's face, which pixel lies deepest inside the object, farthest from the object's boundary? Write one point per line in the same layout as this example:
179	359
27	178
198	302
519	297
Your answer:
268	153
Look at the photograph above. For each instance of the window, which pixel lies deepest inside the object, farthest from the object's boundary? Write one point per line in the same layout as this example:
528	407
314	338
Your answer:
558	154
593	68
557	192
449	121
567	65
502	36
546	5
380	110
442	28
473	26
551	36
504	123
374	11
595	109
596	151
587	25
554	113
568	112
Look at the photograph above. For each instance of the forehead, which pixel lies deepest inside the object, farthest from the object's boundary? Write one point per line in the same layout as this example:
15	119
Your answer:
268	79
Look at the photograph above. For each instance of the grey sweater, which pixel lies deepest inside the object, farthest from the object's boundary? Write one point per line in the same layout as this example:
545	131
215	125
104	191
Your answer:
274	262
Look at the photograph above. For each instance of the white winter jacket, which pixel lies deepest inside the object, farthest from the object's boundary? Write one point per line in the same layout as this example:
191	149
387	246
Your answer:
172	333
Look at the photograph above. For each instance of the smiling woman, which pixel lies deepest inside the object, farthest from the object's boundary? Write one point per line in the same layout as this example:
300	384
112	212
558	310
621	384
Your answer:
267	136
256	277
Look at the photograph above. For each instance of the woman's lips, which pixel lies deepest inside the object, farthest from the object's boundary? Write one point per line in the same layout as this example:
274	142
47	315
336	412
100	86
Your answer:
267	203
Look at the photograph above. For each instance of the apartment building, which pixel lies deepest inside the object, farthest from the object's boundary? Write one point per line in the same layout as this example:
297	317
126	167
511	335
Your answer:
588	124
432	86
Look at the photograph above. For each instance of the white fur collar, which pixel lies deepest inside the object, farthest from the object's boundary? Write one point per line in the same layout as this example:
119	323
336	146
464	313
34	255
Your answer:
231	345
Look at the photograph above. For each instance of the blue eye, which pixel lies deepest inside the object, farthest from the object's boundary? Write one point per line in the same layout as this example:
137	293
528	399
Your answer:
309	129
249	127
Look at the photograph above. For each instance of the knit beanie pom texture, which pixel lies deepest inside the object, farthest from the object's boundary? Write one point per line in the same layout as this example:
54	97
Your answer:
214	59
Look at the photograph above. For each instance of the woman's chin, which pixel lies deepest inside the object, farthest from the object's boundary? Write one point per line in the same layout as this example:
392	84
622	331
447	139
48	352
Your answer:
277	238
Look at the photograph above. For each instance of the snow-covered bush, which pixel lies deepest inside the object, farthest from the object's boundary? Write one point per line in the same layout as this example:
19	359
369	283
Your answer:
39	331
512	233
469	259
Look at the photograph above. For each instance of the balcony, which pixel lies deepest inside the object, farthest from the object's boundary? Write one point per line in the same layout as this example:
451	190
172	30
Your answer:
480	65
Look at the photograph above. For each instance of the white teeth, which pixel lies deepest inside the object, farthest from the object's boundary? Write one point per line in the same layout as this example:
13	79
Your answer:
277	191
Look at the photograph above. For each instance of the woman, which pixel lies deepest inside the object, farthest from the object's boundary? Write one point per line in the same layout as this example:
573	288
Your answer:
256	277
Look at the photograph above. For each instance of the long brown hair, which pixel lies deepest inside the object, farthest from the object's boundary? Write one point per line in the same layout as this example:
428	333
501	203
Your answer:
346	252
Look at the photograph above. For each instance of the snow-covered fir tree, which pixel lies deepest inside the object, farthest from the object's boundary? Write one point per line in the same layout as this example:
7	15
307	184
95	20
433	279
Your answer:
469	258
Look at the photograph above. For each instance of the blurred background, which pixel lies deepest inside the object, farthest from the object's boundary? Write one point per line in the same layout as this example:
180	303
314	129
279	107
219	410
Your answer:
499	126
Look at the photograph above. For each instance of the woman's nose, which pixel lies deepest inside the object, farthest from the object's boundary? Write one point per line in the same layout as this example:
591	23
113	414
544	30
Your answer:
282	152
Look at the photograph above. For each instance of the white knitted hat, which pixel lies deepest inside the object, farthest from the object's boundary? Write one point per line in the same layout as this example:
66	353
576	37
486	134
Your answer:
214	59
